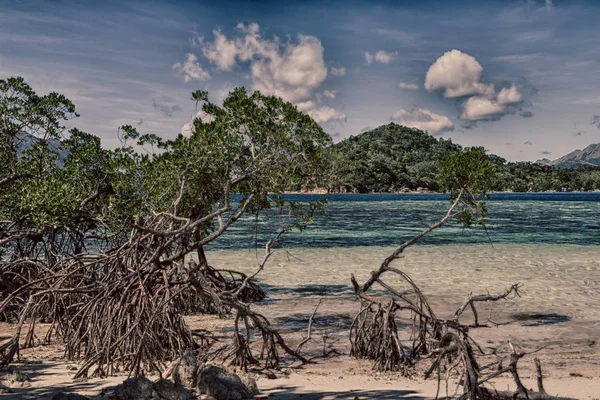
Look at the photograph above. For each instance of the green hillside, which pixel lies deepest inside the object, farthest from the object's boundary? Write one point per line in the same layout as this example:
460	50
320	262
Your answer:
391	158
394	158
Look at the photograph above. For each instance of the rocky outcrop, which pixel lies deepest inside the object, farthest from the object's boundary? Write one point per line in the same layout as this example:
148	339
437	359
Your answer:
168	390
221	384
186	371
140	388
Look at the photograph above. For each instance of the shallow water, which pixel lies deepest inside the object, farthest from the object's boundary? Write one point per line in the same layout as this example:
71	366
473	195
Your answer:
560	292
387	219
547	242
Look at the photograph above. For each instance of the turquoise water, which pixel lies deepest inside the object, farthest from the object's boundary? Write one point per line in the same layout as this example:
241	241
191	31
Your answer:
389	219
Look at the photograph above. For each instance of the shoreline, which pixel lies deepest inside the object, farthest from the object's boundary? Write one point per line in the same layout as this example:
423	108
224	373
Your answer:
559	308
436	193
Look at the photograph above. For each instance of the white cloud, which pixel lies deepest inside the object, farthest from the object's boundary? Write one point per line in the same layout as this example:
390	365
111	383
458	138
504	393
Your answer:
289	70
293	75
330	94
326	114
478	107
458	74
306	105
534	36
191	69
186	129
380	56
221	52
293	70
408	86
341	71
221	94
509	95
423	119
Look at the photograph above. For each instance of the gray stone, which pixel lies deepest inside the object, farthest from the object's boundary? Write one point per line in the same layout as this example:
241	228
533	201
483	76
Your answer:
250	382
141	388
222	384
186	371
168	390
138	388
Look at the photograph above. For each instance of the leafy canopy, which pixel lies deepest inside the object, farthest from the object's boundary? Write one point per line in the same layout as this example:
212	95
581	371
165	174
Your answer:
468	176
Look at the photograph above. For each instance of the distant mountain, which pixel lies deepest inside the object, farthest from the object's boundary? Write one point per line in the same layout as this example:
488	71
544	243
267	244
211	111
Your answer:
589	156
26	141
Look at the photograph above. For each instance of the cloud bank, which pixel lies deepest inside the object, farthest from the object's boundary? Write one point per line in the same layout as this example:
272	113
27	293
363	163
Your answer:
191	69
424	119
291	70
459	75
381	56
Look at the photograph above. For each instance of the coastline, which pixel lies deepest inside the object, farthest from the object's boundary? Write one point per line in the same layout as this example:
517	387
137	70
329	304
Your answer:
559	308
412	192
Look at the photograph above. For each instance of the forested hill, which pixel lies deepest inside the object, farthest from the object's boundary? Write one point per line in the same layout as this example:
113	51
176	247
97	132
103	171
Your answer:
395	158
391	158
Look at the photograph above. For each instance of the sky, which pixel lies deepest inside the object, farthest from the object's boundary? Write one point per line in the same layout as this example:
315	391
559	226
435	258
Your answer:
521	78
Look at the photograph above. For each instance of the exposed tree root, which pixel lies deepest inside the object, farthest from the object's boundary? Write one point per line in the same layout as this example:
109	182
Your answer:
445	344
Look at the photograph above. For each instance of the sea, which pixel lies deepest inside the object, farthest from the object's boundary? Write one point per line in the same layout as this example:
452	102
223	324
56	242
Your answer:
357	220
547	242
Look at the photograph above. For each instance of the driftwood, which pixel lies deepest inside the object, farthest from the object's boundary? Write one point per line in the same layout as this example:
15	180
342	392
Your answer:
445	343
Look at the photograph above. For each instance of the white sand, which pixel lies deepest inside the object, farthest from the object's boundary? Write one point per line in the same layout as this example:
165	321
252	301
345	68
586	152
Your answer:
560	283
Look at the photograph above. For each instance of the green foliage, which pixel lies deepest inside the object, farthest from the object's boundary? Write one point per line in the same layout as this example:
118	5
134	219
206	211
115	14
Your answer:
527	176
470	169
388	159
468	176
250	148
394	158
28	116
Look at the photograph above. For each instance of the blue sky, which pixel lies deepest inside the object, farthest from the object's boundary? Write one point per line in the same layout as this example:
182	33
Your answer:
518	77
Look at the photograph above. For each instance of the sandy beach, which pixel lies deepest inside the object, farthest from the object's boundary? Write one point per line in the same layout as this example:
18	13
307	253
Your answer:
559	308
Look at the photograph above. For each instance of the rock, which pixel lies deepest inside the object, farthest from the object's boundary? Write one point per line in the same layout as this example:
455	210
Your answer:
68	396
222	384
186	371
250	382
168	390
138	388
141	388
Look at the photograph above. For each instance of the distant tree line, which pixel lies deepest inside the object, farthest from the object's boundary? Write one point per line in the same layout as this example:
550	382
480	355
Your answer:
394	158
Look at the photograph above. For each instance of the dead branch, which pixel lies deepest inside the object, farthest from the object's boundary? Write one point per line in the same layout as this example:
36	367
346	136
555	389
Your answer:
374	331
309	331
